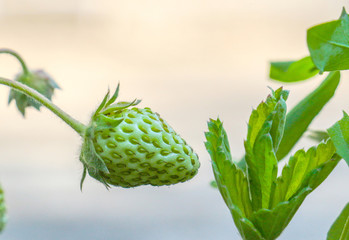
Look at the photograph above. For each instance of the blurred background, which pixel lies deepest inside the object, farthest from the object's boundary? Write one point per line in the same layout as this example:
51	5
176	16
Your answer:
189	61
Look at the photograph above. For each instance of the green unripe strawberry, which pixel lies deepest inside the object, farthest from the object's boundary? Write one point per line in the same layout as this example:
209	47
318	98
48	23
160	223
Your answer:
3	218
39	81
128	147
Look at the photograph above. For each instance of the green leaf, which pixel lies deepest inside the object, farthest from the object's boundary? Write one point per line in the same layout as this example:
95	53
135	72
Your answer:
318	175
271	223
305	172
265	130
299	118
231	181
339	134
262	171
278	123
274	108
261	204
245	227
293	71
328	44
340	228
300	166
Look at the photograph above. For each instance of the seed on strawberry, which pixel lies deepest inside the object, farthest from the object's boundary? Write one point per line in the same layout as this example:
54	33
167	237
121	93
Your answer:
128	147
38	80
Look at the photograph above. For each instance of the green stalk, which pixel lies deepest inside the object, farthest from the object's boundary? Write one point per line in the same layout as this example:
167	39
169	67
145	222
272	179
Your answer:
73	123
19	58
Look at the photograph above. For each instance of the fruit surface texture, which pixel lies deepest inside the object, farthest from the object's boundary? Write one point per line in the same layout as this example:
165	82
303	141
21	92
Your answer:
144	149
128	146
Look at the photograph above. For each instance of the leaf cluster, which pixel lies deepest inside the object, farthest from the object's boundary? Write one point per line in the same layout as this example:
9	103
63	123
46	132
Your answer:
262	203
328	45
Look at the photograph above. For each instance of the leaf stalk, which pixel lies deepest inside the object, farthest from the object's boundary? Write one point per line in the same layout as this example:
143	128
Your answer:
73	123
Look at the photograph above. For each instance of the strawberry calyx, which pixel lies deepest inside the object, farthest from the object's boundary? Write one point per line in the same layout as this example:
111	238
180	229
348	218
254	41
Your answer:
101	120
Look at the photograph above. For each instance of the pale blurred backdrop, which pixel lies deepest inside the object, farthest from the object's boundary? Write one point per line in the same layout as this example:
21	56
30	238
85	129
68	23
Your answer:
189	61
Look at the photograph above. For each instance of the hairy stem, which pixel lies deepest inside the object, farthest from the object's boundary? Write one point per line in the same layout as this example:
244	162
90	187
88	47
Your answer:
75	124
19	58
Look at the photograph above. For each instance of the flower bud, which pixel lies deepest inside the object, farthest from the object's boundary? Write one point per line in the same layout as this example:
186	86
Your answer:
39	81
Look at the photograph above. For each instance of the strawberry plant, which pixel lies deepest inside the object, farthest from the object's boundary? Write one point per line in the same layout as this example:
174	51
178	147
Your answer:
262	203
127	146
122	145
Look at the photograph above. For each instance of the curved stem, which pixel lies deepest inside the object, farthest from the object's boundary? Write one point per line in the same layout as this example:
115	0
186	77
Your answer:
19	58
75	124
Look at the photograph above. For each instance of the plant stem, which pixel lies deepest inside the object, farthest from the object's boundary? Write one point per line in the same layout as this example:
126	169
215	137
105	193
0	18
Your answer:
75	124
19	58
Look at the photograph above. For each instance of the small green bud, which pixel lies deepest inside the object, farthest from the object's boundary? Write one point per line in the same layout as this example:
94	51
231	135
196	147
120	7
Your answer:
39	81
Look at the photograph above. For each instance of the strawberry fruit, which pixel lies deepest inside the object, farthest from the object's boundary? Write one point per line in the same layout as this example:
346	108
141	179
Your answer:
3	218
128	147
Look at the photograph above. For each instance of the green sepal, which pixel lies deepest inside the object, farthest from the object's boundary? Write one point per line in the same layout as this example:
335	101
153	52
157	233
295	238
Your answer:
83	177
339	134
103	103
102	122
119	106
114	97
340	228
328	44
293	71
108	105
92	162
